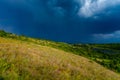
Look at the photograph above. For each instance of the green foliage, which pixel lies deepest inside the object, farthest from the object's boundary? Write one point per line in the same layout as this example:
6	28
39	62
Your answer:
3	33
107	55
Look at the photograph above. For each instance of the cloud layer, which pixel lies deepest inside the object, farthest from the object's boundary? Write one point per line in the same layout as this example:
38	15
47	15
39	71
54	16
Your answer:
60	20
92	7
109	37
84	8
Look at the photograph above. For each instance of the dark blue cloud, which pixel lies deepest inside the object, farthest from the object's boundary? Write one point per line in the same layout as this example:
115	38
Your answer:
60	20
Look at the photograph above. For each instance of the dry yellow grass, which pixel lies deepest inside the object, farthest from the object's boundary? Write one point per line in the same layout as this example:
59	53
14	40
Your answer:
27	61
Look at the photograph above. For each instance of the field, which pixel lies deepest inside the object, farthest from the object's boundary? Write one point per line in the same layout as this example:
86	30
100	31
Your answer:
23	58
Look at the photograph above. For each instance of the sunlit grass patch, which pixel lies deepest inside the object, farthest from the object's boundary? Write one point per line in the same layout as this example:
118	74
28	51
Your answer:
20	60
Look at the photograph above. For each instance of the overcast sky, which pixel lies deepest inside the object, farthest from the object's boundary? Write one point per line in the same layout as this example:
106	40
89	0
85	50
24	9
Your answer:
73	21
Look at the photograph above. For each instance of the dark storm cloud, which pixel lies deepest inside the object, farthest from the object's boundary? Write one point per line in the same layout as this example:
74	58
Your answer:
63	7
60	20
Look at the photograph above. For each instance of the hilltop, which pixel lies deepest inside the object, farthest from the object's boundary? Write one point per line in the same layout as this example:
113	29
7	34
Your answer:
24	58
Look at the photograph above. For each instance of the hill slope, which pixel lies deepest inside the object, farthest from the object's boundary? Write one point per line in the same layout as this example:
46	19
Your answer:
21	60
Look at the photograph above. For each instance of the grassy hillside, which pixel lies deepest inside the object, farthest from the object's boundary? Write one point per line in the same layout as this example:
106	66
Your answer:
28	61
24	58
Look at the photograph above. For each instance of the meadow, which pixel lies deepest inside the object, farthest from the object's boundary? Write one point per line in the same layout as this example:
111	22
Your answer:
24	58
